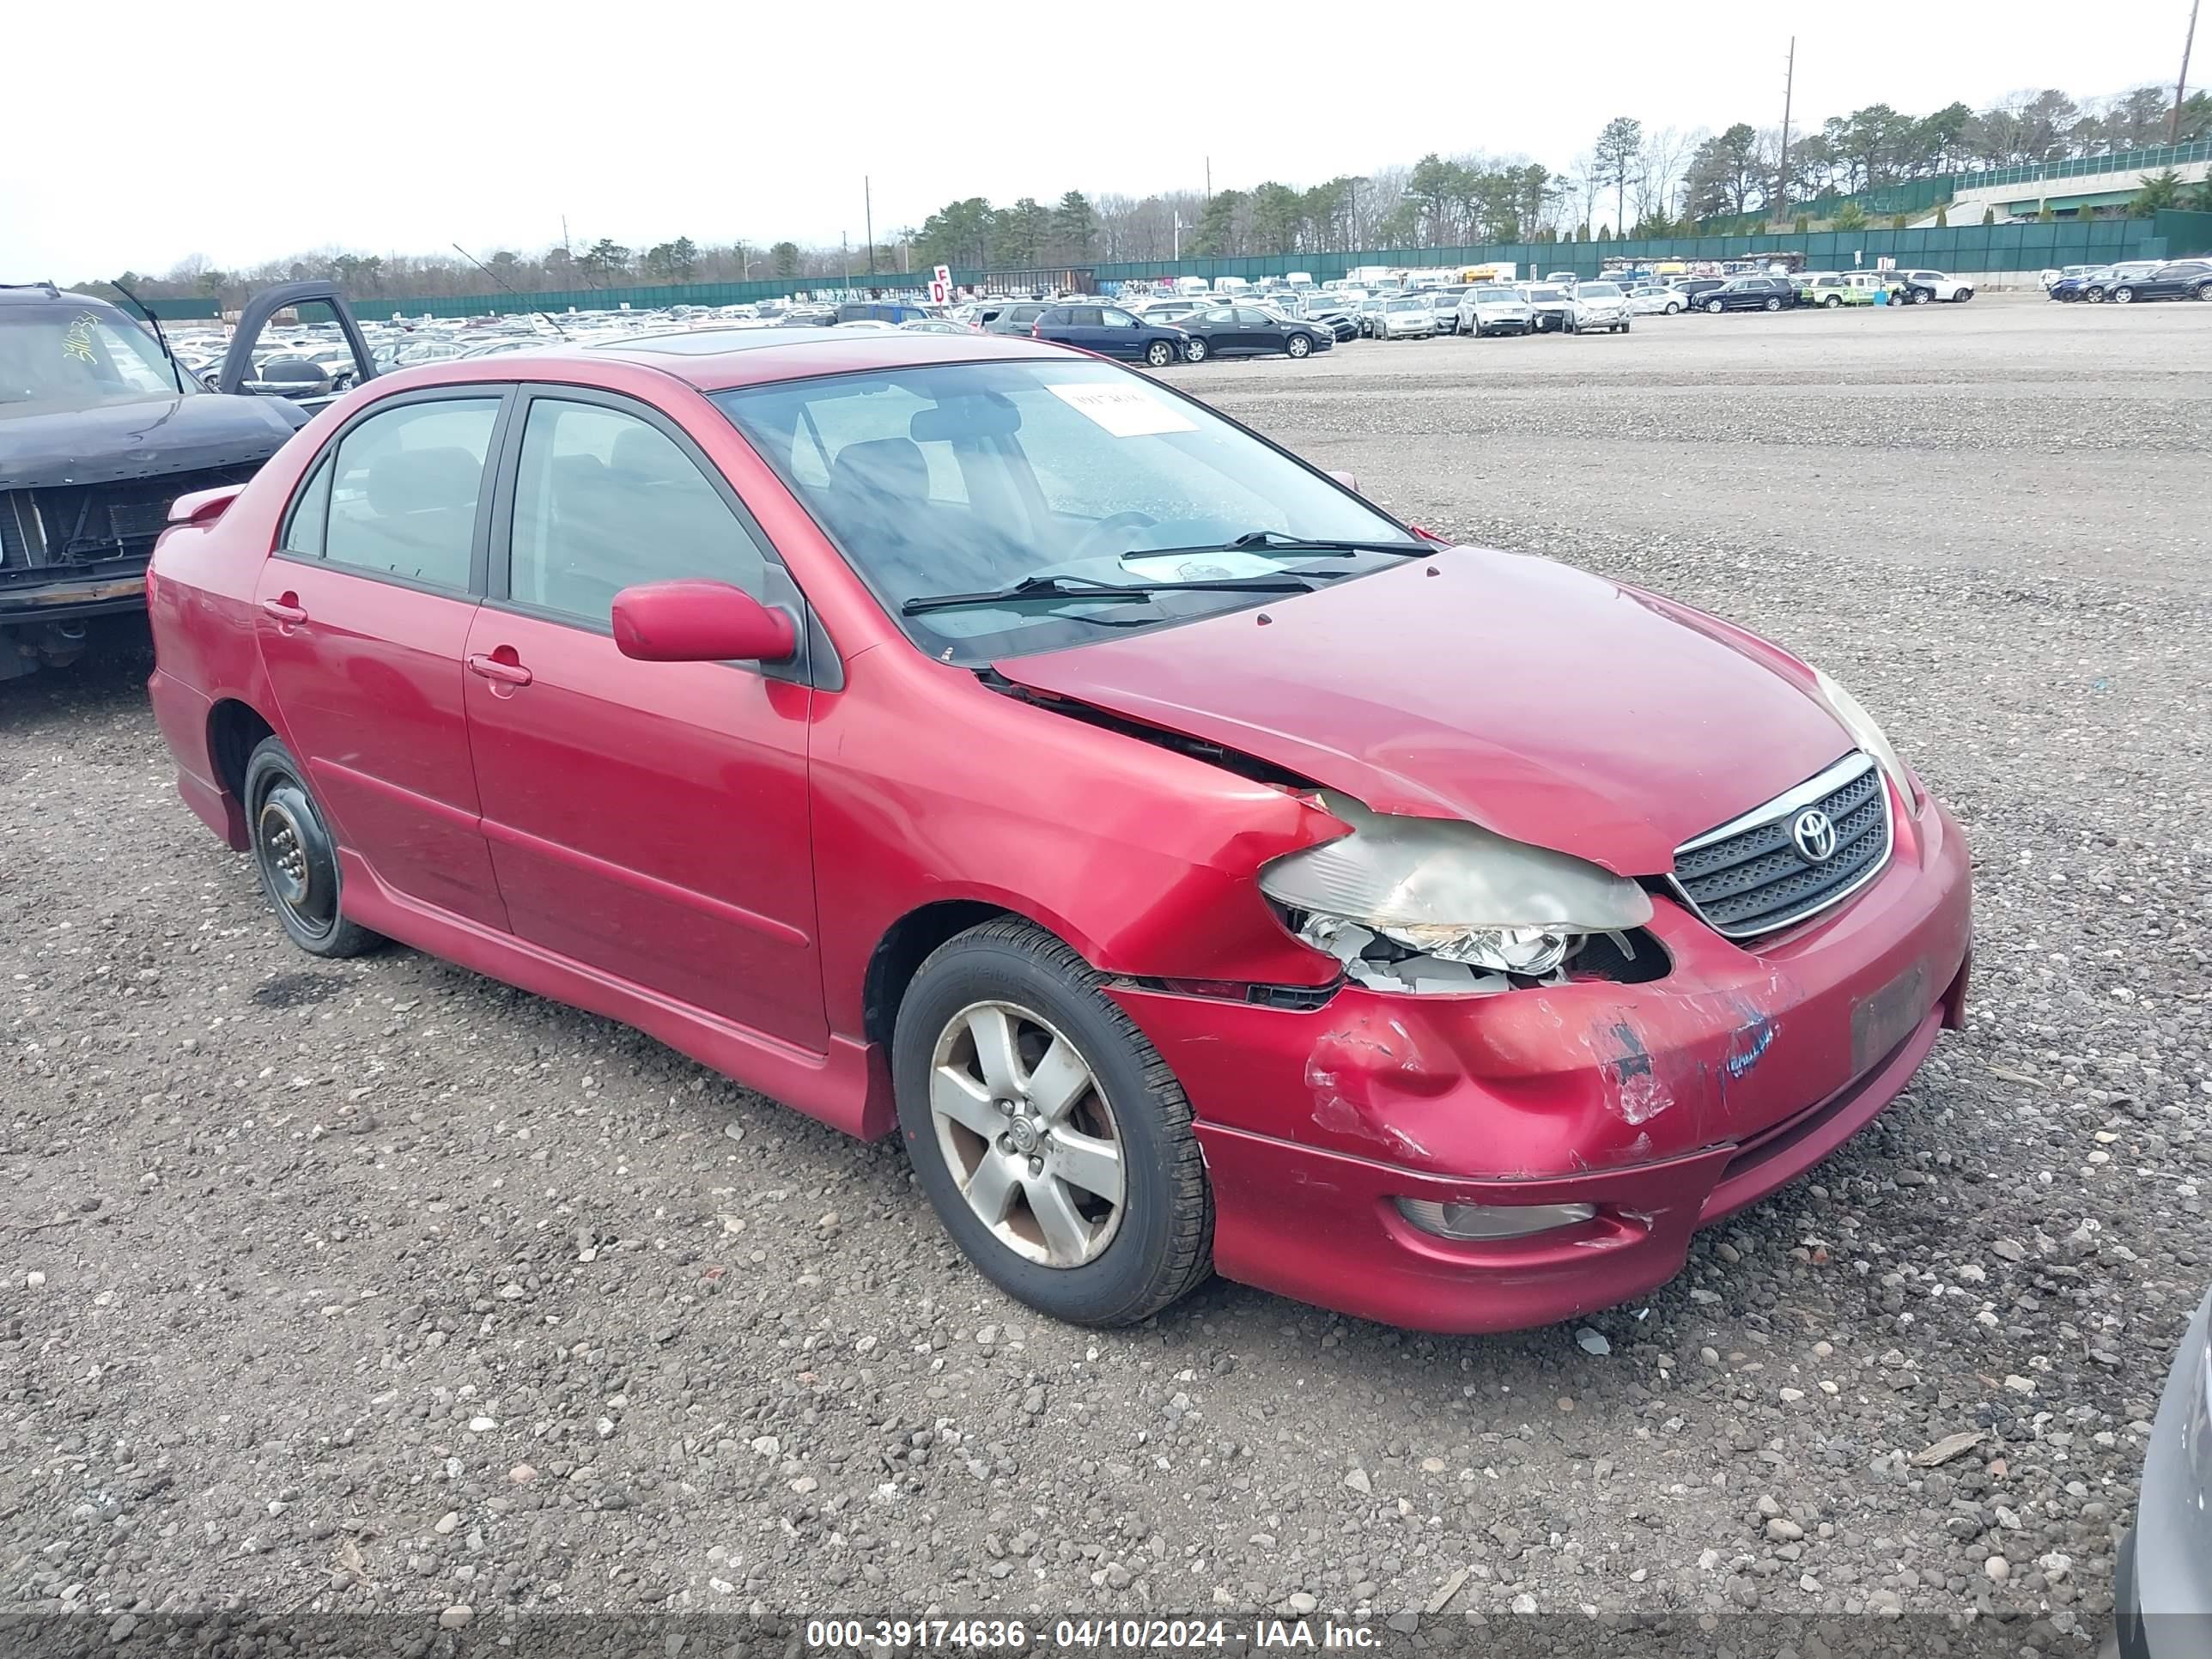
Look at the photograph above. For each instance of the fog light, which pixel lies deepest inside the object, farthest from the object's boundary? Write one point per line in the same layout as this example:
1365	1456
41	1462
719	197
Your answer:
1486	1221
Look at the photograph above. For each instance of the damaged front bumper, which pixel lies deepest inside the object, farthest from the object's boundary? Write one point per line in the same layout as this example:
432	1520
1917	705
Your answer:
1663	1105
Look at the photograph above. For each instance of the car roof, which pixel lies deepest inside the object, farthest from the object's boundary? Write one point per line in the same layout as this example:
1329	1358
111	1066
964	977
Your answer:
719	359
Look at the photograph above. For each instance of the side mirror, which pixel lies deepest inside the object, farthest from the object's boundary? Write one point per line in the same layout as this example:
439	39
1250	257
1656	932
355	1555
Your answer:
700	621
1349	480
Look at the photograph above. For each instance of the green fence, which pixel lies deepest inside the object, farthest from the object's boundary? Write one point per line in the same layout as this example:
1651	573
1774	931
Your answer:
1957	247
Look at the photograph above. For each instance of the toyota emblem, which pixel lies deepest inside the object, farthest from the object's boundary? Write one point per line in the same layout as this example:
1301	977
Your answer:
1813	835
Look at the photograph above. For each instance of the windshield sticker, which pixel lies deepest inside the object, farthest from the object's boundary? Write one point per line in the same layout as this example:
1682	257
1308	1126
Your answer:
1127	411
77	341
1226	565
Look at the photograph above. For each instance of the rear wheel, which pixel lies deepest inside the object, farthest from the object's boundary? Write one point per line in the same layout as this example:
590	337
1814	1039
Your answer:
2122	296
295	856
1298	345
1054	1141
1773	303
1832	302
1159	353
1672	306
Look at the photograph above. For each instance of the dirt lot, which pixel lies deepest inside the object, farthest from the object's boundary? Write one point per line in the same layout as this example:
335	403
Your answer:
377	1284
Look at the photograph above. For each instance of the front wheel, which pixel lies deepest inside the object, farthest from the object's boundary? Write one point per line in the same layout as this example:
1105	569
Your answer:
1714	307
295	857
1159	353
1298	346
1194	352
1053	1141
1962	296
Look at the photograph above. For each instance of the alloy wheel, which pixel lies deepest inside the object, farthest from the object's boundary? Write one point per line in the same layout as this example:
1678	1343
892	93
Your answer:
1027	1134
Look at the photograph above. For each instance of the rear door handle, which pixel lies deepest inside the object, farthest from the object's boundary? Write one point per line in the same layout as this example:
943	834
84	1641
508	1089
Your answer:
284	611
506	673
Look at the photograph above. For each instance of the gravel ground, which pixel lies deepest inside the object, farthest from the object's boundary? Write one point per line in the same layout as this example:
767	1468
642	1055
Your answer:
379	1285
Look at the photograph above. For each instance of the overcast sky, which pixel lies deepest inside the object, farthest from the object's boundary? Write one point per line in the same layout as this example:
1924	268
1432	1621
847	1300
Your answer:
252	131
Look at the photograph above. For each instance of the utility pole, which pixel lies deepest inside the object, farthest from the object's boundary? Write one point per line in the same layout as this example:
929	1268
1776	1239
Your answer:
845	245
1788	87
868	217
2181	85
1209	177
1178	235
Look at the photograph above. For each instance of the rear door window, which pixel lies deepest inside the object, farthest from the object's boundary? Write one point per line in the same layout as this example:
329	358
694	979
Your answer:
404	489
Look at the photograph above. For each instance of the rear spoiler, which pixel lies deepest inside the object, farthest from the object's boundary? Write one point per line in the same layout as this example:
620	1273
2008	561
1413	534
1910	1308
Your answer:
204	506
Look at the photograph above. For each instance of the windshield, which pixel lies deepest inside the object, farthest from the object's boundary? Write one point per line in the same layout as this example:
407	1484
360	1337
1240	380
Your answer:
1404	304
971	478
74	355
1495	296
1546	294
1600	290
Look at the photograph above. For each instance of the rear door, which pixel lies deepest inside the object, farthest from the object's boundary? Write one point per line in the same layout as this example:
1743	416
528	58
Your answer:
363	615
646	819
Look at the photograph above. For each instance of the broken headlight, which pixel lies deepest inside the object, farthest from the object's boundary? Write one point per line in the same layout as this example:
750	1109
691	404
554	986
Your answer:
1451	893
1852	716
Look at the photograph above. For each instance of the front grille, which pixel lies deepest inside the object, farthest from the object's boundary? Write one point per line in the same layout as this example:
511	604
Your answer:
89	524
1749	877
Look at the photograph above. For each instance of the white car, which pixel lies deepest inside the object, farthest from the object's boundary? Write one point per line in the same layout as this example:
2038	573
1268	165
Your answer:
1599	308
1951	289
1406	317
1654	300
1492	310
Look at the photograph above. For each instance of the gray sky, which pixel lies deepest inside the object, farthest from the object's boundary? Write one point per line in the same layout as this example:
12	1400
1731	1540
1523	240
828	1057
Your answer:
717	122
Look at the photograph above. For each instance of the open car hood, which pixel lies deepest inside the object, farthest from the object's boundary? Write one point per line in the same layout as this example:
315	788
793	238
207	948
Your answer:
1544	704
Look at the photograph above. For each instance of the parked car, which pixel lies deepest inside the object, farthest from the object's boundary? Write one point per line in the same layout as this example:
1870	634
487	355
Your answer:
1561	278
1950	290
1553	306
2097	286
1017	318
1694	288
101	429
1600	308
2054	274
2184	279
1404	316
1748	294
935	325
1655	299
1830	289
1443	305
1492	309
1111	332
1370	308
890	312
883	722
1248	330
2162	1582
1171	311
1341	320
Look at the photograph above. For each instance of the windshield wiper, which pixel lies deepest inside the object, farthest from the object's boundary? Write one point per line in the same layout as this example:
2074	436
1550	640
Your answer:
1083	587
1274	541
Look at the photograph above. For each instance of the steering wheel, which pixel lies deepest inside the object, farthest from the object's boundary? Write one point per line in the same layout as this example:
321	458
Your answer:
1094	540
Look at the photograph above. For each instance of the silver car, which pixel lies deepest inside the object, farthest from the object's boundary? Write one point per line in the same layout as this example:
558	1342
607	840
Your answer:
2162	1590
1654	300
1492	310
1600	308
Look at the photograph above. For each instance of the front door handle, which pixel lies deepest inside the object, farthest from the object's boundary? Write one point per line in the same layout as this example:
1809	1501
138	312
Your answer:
494	668
284	610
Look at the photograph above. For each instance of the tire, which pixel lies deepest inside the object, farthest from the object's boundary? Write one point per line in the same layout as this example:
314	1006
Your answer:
1195	352
1298	346
1626	326
295	857
1921	296
2122	296
1773	303
1831	302
1962	296
2095	297
2204	290
1159	353
1714	307
1122	1262
1672	307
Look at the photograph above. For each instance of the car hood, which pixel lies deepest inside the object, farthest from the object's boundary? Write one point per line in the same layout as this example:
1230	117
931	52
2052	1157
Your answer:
42	446
1542	703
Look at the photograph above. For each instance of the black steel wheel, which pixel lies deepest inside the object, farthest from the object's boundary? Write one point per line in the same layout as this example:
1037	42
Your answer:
295	857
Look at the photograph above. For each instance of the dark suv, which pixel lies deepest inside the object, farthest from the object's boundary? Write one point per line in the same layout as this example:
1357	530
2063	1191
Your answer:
1749	294
2184	279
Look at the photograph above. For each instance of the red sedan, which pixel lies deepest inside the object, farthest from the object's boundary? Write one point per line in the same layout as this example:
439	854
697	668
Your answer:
966	737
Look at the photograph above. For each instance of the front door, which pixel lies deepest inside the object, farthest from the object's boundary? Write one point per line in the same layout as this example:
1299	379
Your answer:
648	820
363	611
1120	335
